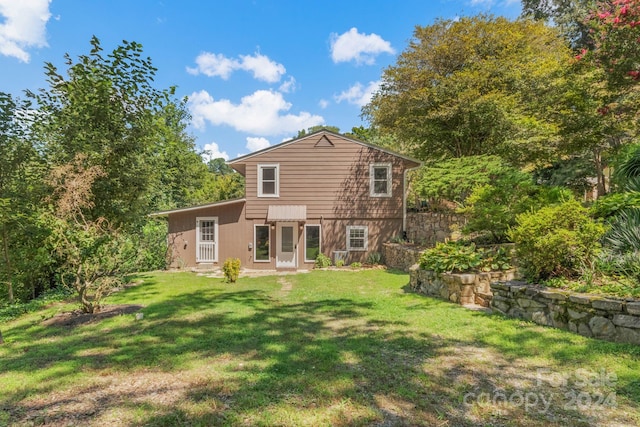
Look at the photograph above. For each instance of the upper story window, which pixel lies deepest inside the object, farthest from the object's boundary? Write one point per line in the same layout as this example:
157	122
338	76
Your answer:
268	180
380	180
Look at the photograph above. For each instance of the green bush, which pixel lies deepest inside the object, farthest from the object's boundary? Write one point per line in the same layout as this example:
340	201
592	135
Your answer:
231	269
451	257
461	257
374	258
556	241
323	261
492	208
340	263
356	264
615	203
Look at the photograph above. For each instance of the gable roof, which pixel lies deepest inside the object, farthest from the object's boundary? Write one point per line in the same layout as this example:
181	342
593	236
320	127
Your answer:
325	133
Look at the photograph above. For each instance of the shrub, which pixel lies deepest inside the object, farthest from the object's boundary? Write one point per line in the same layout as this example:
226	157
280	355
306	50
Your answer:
556	241
323	261
615	203
492	208
461	257
451	257
374	258
356	264
340	263
495	259
231	269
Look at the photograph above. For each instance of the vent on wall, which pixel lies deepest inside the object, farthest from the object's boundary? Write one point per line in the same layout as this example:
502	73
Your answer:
324	142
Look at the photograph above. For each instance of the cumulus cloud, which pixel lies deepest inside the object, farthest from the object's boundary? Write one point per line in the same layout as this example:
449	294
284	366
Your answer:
358	94
263	113
358	47
218	65
323	103
212	151
24	26
255	144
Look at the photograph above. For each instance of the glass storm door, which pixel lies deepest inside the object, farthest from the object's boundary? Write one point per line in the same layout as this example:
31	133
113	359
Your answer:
287	245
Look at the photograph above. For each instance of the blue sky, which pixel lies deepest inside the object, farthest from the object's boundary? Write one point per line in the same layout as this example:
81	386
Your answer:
255	71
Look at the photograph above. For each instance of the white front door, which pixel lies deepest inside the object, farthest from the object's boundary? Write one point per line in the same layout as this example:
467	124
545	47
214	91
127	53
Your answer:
286	245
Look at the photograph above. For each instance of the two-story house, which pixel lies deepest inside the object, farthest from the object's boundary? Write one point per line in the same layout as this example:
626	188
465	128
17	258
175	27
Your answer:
320	193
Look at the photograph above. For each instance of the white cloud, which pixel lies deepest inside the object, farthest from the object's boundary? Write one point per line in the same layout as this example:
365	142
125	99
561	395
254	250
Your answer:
354	46
262	67
255	144
323	103
24	26
212	65
218	65
288	86
212	151
358	94
259	113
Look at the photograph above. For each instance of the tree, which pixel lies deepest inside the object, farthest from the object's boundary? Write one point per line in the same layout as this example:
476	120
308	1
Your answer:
24	260
107	109
317	128
570	16
93	252
616	28
470	87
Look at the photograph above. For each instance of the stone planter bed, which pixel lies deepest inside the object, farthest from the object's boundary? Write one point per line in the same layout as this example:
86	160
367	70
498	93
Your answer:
462	288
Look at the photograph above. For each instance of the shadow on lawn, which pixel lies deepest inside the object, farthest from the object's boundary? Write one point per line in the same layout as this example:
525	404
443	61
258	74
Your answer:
328	357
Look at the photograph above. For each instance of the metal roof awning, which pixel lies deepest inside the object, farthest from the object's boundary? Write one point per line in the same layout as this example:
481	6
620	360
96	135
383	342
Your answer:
287	213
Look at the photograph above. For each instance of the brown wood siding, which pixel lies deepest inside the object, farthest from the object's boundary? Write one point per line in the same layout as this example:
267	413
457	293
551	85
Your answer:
332	181
233	235
334	236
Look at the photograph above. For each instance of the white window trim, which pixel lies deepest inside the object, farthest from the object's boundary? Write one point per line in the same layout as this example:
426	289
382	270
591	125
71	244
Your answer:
366	237
255	246
215	242
389	168
277	189
319	240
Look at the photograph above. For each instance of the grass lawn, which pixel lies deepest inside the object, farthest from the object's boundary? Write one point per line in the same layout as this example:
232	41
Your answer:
335	348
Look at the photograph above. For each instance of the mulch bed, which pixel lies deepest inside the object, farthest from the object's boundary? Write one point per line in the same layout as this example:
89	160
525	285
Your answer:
78	317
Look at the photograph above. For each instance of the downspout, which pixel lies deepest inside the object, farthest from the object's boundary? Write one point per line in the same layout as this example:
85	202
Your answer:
404	200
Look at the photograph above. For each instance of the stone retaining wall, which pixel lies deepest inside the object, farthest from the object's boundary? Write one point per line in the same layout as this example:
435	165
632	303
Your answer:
427	228
400	256
589	315
466	288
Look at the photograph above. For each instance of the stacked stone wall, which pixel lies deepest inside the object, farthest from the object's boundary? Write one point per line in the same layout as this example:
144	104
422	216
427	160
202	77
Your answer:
465	288
401	256
428	228
596	316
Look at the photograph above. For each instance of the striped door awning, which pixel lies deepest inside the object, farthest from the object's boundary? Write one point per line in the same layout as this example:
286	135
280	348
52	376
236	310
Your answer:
287	213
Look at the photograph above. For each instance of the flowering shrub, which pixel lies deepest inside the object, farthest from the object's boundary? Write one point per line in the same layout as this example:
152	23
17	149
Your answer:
616	30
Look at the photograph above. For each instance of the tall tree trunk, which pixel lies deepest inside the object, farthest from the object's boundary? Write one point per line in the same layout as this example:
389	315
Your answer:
601	187
7	261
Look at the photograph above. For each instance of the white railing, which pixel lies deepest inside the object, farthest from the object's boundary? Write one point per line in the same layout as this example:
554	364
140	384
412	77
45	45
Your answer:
206	252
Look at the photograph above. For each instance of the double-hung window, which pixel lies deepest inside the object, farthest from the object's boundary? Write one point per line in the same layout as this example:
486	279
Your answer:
268	180
357	236
380	180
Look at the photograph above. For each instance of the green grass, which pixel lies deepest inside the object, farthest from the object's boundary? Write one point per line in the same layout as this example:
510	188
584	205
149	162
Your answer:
339	348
